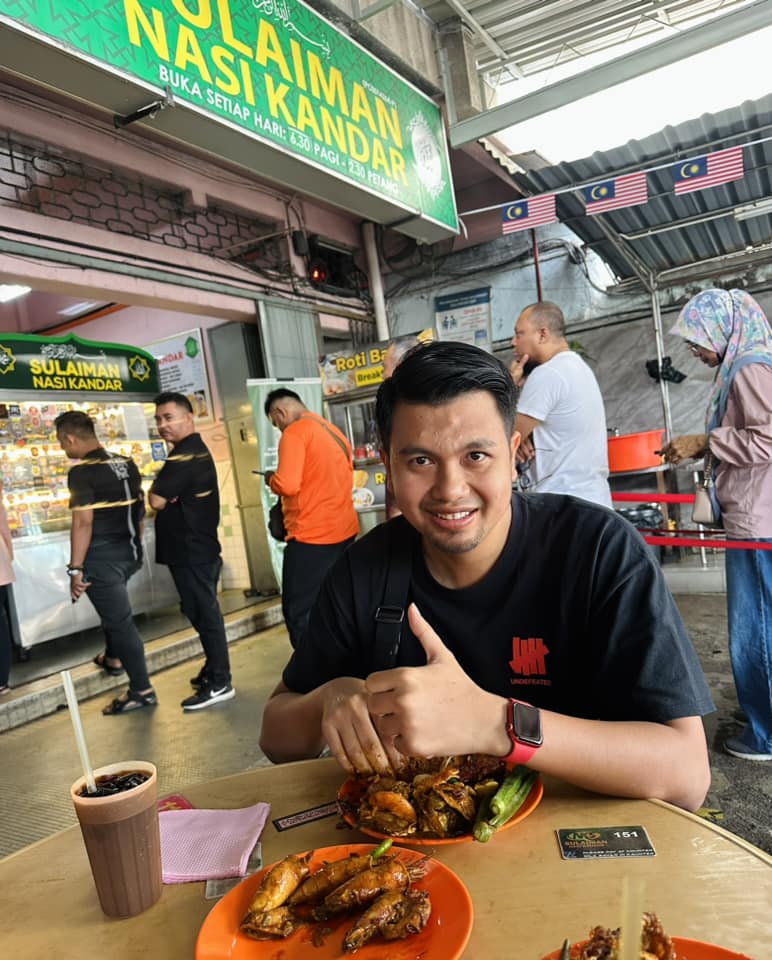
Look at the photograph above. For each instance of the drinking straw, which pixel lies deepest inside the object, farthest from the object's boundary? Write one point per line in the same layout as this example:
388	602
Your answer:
632	913
72	703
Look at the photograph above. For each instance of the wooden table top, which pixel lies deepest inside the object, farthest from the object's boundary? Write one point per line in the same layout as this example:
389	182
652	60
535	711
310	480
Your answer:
703	883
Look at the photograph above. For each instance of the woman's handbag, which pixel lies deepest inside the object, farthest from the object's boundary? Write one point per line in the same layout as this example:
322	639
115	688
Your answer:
276	522
702	511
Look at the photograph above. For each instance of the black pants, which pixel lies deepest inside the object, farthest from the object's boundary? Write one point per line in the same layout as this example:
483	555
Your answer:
6	638
110	597
303	570
197	587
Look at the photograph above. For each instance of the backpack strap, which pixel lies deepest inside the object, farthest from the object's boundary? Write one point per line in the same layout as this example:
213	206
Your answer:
390	615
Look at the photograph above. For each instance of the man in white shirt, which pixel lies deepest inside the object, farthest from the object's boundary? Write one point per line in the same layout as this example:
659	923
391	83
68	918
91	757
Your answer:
560	414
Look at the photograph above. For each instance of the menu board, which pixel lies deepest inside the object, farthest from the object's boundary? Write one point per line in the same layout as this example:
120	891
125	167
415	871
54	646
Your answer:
182	369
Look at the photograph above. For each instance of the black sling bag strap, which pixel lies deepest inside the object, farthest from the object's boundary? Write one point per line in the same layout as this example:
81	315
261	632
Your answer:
390	615
334	436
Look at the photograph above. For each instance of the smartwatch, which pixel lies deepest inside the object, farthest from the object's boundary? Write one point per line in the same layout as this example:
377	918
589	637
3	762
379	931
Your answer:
523	730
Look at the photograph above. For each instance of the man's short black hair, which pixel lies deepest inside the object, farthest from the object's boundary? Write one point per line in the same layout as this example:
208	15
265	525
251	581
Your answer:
171	397
278	394
437	372
77	423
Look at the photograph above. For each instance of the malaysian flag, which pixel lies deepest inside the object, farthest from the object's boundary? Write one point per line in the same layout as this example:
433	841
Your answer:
626	191
525	214
708	171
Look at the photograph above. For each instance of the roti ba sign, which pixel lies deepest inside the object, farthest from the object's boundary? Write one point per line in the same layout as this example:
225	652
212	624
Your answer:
278	71
73	366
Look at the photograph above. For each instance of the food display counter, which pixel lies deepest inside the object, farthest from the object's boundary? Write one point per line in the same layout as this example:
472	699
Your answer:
355	417
350	381
114	385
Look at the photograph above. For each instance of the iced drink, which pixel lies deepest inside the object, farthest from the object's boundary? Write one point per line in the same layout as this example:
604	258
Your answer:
122	839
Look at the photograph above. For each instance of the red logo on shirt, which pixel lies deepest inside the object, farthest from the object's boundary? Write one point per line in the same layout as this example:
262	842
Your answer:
528	658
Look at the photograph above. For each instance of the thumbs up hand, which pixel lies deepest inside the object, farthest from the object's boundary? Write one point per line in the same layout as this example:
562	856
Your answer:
428	711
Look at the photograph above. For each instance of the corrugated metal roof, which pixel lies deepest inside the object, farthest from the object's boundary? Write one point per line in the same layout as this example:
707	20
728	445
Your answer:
532	36
672	231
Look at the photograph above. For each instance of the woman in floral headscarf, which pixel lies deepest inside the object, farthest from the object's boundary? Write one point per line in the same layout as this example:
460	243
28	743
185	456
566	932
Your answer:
728	330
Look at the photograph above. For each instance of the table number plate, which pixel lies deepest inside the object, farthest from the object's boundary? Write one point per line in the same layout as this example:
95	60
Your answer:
590	843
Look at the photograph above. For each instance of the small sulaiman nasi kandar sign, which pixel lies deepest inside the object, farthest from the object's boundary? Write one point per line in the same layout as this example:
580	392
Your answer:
592	843
305	816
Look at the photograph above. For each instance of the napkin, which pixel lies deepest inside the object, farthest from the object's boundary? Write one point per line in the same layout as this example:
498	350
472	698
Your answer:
209	844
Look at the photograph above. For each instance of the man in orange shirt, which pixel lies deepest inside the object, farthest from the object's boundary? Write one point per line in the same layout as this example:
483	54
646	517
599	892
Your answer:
314	477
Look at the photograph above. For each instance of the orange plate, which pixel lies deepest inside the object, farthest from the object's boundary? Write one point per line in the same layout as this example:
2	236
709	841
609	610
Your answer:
351	793
444	937
685	950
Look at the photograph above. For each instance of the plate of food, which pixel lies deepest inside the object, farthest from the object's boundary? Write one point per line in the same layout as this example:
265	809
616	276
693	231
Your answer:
655	945
441	802
325	904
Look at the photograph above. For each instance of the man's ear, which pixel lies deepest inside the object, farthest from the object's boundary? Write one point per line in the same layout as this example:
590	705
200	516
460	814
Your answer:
514	443
387	464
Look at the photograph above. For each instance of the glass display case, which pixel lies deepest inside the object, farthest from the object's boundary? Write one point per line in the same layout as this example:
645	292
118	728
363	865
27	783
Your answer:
34	473
34	469
355	416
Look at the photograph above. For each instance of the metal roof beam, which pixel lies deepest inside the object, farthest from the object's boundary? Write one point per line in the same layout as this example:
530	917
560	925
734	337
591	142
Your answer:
483	34
685	44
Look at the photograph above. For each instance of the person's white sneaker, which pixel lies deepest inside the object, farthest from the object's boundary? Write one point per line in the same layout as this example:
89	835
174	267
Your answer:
737	748
205	696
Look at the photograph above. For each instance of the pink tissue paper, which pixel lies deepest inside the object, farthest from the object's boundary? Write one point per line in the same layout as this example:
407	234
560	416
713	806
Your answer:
209	844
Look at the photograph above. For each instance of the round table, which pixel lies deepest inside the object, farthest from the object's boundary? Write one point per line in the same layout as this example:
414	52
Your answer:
703	882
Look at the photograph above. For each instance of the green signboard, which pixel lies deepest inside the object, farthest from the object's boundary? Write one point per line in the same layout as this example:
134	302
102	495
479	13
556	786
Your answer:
72	366
276	70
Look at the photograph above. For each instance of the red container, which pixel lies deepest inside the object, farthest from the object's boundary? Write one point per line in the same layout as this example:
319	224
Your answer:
635	451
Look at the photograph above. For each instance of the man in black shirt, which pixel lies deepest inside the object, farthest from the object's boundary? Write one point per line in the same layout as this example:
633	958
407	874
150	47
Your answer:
539	629
106	548
187	501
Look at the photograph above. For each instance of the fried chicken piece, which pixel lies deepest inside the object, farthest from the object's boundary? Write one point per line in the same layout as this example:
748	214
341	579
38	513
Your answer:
603	944
412	916
378	915
386	807
654	940
279	883
279	922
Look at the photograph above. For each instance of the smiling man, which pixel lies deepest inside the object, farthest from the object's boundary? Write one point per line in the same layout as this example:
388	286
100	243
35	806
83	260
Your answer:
539	628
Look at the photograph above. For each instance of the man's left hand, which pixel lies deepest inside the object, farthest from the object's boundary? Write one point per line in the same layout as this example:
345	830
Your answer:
685	448
526	451
78	586
425	711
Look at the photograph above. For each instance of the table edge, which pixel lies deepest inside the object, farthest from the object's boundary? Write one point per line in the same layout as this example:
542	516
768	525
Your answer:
726	834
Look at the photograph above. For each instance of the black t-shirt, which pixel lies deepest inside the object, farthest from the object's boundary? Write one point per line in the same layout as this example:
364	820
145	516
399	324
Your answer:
574	616
186	529
110	485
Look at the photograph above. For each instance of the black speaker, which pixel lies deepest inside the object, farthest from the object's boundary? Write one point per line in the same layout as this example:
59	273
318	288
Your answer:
331	268
300	243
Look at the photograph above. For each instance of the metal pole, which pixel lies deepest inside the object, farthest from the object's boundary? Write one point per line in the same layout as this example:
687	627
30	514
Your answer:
376	281
536	265
660	352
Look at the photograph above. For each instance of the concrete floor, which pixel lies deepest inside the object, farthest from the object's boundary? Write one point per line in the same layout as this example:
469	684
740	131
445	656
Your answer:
221	740
186	747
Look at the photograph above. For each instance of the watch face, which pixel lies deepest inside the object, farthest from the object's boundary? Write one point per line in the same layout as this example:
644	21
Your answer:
528	724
